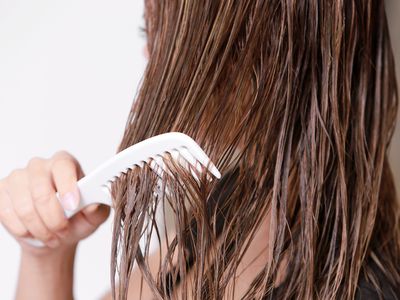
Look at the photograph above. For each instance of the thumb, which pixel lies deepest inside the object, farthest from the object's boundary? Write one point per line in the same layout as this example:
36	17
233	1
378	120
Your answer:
96	214
85	222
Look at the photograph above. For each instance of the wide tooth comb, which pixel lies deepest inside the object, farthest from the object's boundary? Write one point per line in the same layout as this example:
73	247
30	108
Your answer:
95	187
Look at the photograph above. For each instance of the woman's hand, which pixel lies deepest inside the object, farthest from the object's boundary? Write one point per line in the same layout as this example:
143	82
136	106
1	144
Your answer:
29	206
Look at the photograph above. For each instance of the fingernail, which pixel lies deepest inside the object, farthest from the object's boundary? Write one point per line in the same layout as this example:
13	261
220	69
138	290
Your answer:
54	243
69	201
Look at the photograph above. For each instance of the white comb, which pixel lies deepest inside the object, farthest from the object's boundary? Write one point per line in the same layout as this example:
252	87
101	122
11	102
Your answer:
94	188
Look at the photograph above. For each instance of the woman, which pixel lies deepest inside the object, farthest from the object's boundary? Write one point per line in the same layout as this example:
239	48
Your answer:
295	101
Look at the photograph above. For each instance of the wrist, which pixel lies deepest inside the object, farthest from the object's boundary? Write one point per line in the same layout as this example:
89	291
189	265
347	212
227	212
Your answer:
46	253
49	259
49	272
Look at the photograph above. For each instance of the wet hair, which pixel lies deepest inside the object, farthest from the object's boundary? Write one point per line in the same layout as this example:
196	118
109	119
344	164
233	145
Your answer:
295	102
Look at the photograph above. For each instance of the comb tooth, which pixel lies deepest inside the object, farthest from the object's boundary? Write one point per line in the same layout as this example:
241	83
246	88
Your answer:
159	188
159	161
189	158
184	152
107	187
155	167
180	159
113	179
125	171
188	164
162	167
201	157
122	172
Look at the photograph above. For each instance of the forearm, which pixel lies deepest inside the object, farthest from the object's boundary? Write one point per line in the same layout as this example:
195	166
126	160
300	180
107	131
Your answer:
46	277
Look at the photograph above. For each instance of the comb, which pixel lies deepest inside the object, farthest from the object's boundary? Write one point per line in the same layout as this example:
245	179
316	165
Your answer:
95	187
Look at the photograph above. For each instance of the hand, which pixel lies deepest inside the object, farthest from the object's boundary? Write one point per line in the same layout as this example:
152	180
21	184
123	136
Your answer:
29	206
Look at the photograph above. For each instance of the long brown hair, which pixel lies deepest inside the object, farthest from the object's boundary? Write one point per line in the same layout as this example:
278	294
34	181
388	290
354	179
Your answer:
295	102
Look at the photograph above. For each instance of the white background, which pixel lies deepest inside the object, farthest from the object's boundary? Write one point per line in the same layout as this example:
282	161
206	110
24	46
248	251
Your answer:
69	71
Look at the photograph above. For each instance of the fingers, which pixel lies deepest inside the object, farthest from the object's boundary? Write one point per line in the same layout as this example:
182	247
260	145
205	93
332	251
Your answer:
29	206
85	222
66	172
44	196
88	220
24	207
8	216
96	214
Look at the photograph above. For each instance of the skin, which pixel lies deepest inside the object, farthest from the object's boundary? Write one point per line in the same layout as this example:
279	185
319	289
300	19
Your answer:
29	208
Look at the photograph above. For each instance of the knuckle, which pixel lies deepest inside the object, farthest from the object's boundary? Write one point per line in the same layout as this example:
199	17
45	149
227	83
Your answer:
41	193
15	175
59	225
19	232
46	236
62	155
16	230
65	169
26	213
61	164
35	163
